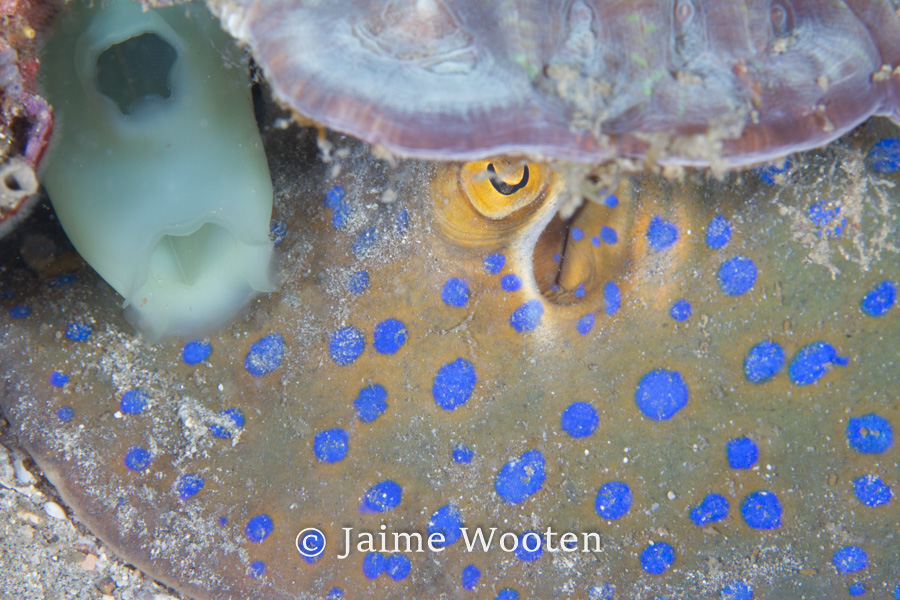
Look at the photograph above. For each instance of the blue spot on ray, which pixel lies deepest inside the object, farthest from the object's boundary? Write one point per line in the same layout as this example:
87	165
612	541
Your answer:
521	478
579	420
507	594
613	500
608	235
528	316
737	590
661	234
189	485
870	434
65	414
880	300
823	216
335	199
370	403
397	567
530	547
277	231
576	234
78	332
358	282
612	298
657	558
603	591
856	589
313	541
258	528
455	292
58	379
133	402
374	564
402	221
586	323
196	352
454	383
389	336
237	421
61	280
872	491
712	509
812	362
137	458
742	453
383	496
884	157
365	241
20	311
257	569
470	577
850	559
447	521
718	232
493	264
510	283
768	172
331	445
737	275
763	361
346	345
681	310
265	355
463	455
660	394
762	510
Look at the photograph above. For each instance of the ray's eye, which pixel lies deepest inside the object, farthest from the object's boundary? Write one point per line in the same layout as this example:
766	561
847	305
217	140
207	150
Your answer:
498	188
505	188
488	203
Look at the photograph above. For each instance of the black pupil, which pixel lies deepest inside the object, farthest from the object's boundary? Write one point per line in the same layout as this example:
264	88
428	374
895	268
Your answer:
506	188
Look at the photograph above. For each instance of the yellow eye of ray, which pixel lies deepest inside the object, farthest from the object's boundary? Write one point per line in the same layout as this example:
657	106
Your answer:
499	187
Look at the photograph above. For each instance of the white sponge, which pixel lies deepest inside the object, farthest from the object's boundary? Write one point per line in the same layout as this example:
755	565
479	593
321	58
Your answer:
157	171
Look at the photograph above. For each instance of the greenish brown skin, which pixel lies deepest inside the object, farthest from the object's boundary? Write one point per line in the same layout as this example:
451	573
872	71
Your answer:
525	381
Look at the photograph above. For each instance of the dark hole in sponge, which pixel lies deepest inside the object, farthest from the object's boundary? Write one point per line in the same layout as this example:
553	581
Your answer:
136	69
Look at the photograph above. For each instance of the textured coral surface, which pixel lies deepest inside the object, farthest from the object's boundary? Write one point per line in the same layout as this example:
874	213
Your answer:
686	81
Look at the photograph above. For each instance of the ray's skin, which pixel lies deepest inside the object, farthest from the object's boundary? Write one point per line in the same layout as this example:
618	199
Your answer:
476	340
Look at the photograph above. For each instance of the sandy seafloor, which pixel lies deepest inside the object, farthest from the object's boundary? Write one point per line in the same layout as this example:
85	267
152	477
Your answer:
47	554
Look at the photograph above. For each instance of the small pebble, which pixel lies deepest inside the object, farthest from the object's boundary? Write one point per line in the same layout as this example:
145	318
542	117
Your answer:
89	563
106	585
54	510
30	517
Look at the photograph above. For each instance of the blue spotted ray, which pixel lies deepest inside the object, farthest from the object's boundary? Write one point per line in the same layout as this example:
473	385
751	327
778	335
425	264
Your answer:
696	380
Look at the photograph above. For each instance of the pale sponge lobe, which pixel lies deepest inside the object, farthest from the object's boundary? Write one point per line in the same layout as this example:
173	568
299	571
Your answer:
157	170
